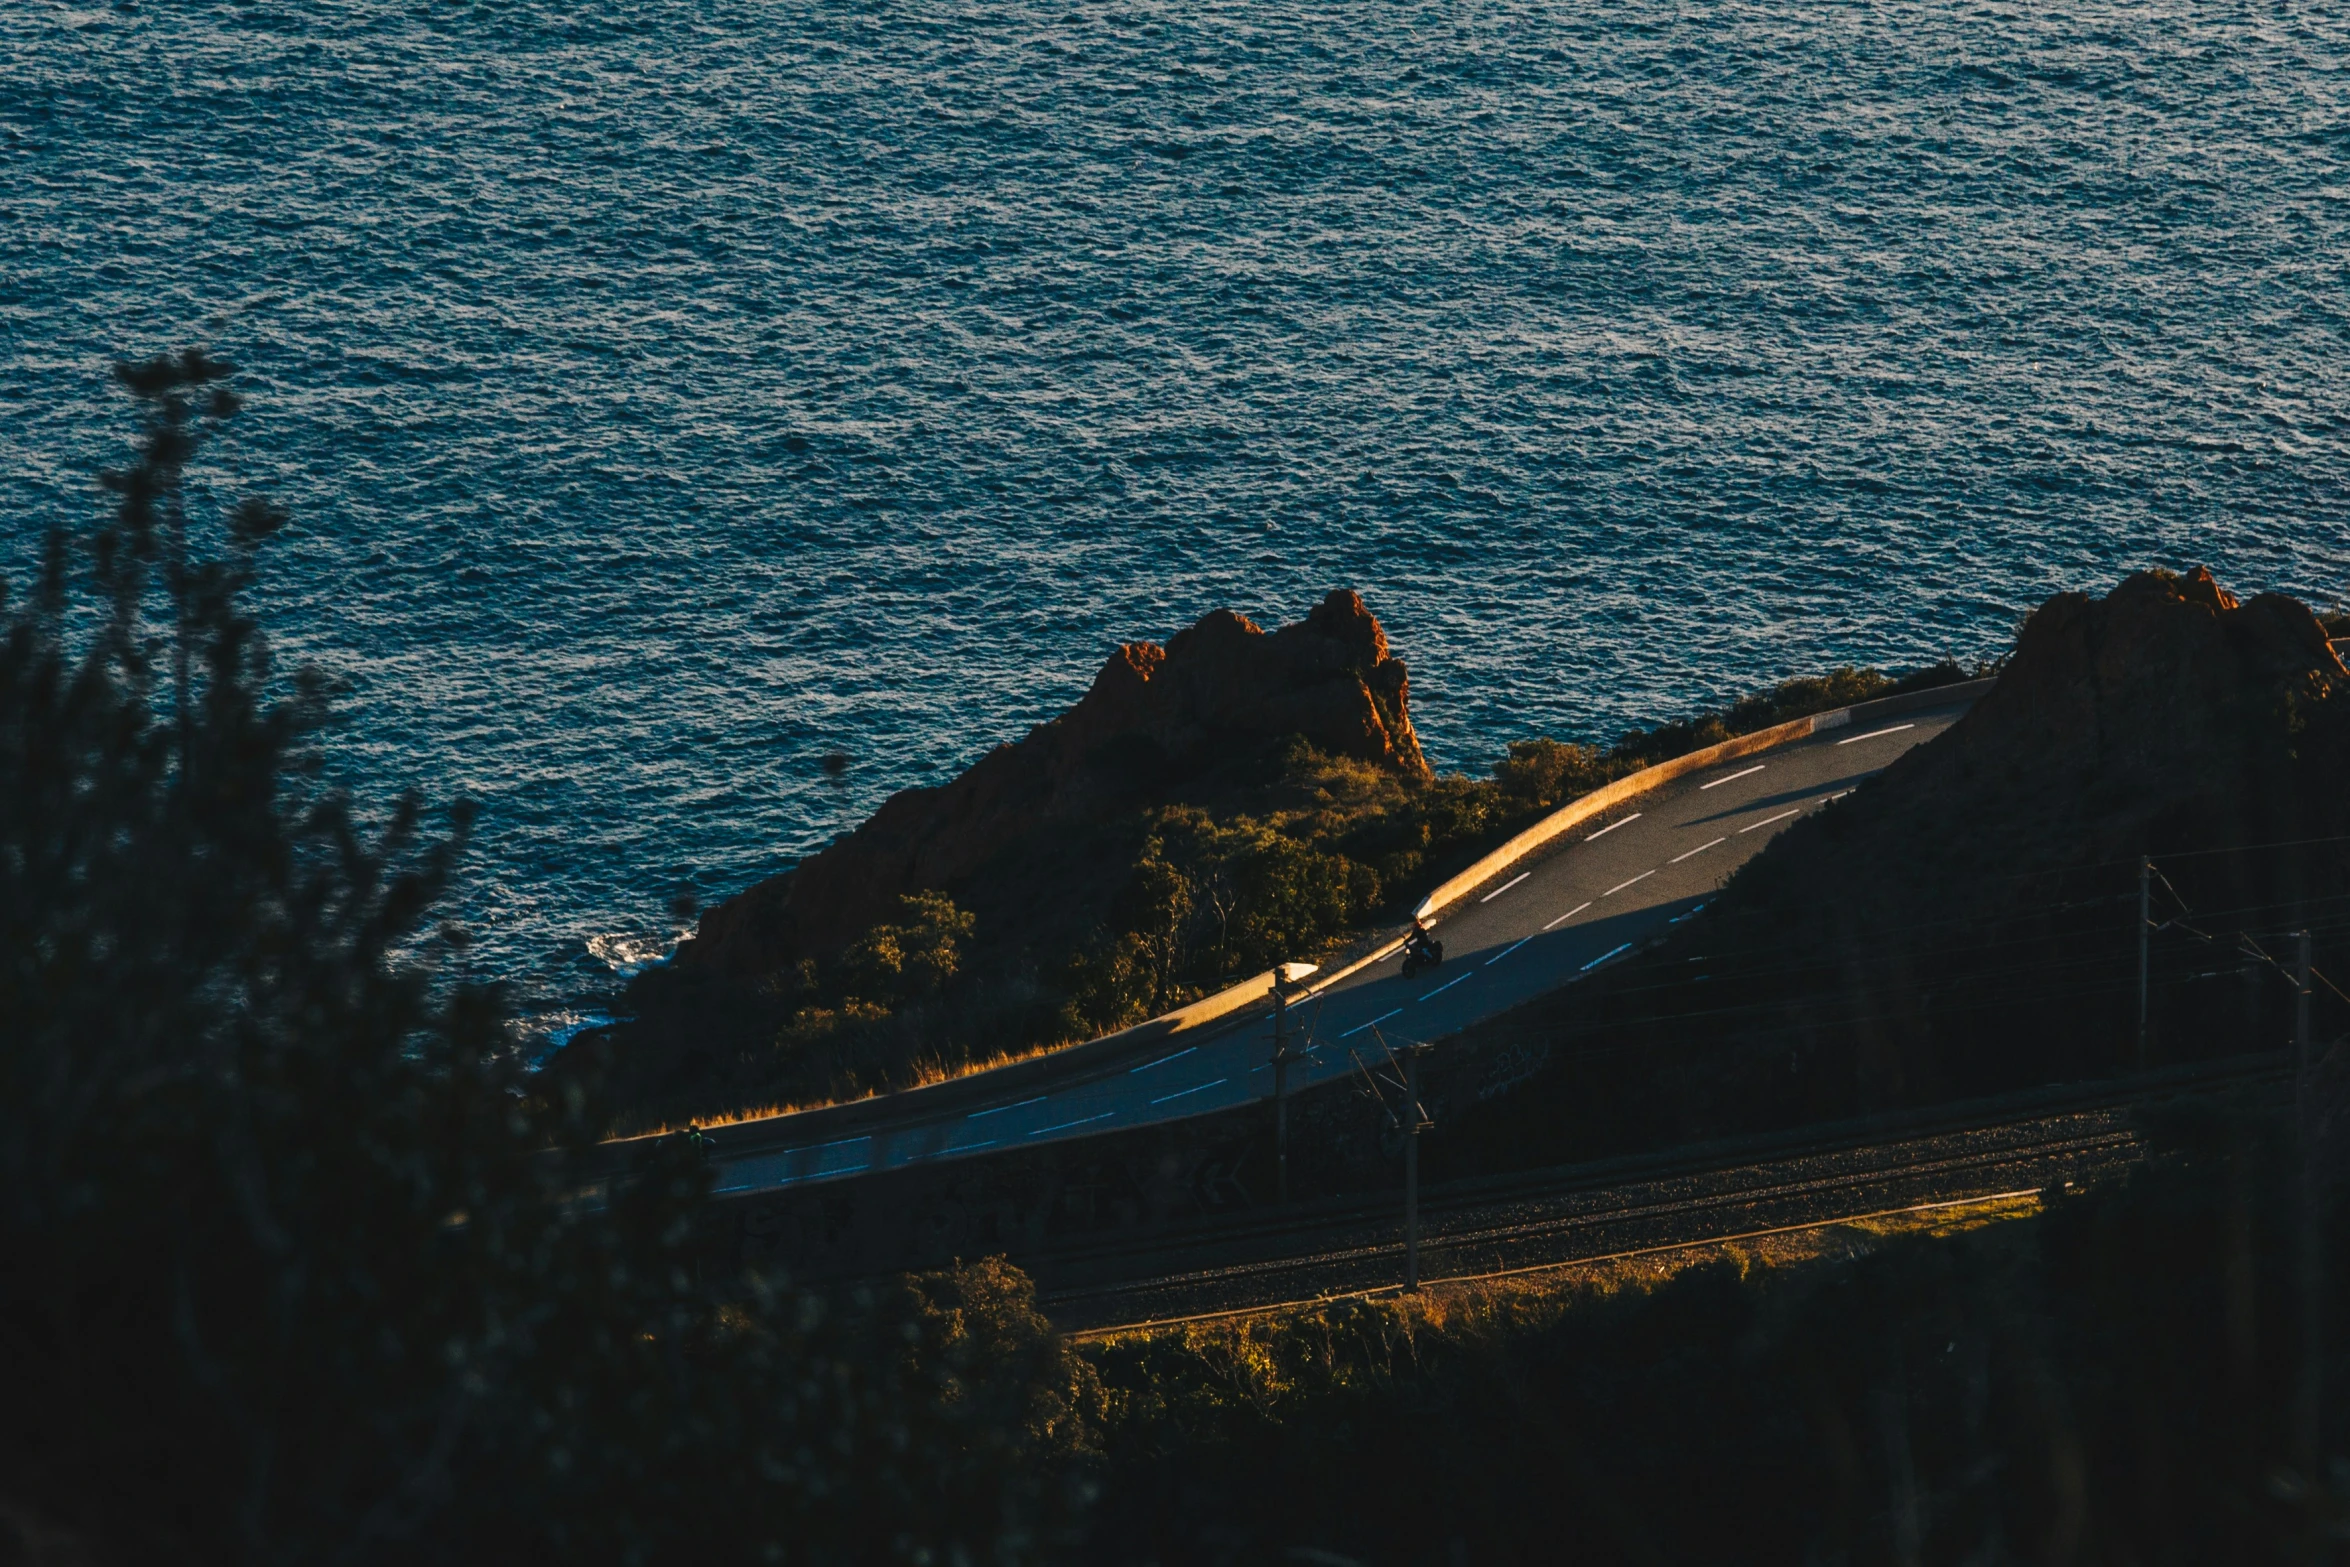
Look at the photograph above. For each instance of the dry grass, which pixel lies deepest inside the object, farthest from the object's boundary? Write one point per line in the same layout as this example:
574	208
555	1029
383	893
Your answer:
929	1072
1523	1299
925	1074
735	1117
1512	1296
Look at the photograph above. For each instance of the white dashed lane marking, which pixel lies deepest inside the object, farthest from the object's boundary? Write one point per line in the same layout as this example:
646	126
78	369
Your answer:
1063	1126
1505	886
1570	914
1381	1018
1000	1109
1766	821
1441	989
1188	1092
1693	853
1612	826
1603	957
1506	951
1876	734
1162	1061
1733	778
1620	886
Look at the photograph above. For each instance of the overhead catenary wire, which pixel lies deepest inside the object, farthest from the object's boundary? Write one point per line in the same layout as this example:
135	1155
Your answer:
2060	977
1855	1009
2156	867
2038	981
2250	848
1888	936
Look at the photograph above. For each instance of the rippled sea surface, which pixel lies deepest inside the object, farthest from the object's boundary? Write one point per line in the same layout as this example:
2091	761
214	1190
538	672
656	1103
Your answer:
672	393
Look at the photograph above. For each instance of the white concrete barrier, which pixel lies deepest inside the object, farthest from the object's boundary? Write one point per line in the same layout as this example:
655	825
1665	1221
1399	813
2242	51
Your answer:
1599	801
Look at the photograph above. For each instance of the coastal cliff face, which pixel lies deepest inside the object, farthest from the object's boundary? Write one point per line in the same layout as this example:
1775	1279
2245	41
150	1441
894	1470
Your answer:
1218	692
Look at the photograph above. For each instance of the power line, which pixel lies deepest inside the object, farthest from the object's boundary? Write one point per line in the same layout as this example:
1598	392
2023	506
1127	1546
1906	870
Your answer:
1855	1010
2252	848
2043	979
1743	963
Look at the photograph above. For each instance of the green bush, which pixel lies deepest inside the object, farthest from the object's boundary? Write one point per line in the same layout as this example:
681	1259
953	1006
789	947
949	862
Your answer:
1549	772
893	964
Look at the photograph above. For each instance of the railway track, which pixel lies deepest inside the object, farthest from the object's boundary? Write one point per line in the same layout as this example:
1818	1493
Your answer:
1562	1218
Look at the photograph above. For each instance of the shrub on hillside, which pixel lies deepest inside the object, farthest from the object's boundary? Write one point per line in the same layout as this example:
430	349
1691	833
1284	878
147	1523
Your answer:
912	957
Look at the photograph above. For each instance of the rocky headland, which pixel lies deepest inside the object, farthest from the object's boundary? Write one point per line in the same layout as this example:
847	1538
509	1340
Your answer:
1197	713
1229	799
1232	795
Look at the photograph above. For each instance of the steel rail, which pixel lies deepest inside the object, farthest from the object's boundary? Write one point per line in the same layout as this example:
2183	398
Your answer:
1641	1209
1991	1167
1157	1324
1621	1194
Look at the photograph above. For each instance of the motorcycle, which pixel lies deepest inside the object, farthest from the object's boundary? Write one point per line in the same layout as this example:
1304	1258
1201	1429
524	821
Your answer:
1422	955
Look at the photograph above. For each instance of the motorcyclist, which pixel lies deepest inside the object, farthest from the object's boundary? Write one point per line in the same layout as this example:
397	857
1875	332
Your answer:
1422	946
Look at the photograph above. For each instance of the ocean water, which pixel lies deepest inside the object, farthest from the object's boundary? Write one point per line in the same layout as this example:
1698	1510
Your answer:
670	393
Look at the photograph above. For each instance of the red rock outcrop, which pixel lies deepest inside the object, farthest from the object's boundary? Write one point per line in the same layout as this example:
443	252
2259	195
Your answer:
1221	688
1966	923
2163	689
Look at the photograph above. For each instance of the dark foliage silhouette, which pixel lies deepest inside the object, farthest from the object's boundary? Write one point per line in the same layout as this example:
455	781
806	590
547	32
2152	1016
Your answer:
295	1270
2113	1380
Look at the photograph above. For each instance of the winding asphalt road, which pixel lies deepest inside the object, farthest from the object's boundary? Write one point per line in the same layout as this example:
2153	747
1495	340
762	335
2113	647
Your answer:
1543	924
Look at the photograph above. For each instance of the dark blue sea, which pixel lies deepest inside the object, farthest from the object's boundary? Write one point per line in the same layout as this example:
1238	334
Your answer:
672	393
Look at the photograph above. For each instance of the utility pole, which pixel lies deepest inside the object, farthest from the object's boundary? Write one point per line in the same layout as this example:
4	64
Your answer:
1284	974
2145	927
1415	1122
2312	1280
1280	1087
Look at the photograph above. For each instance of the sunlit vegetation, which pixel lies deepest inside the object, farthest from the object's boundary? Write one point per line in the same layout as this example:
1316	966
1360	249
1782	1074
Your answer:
1290	855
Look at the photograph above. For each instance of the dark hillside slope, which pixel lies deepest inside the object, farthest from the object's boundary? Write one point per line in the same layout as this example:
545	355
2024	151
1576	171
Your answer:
1966	922
1235	797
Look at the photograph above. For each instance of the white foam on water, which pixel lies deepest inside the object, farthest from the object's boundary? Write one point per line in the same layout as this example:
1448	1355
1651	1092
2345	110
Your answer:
629	956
